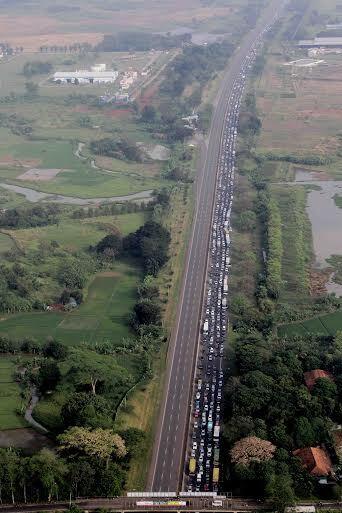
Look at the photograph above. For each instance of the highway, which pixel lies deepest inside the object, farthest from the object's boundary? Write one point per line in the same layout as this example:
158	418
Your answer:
168	457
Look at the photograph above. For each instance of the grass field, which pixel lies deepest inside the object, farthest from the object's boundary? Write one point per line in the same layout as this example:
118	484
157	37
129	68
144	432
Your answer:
77	178
73	234
10	399
103	316
325	325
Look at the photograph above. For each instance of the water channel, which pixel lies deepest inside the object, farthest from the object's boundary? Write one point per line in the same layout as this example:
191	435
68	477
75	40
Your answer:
36	196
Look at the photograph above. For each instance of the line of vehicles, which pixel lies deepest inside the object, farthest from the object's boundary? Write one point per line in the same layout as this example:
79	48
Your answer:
203	456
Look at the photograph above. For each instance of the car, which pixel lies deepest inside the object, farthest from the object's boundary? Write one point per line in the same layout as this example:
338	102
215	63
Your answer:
194	446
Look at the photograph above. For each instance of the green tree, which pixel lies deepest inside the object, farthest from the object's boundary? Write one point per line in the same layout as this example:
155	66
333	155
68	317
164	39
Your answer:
31	89
110	246
99	443
280	491
50	470
147	311
72	275
55	349
148	114
49	376
82	409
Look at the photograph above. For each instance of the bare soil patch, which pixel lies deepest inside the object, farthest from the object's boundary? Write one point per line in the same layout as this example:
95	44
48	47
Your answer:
318	280
24	438
39	175
8	160
120	113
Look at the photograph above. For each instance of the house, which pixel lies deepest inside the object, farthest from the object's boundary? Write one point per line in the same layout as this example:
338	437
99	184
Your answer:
311	377
315	460
85	77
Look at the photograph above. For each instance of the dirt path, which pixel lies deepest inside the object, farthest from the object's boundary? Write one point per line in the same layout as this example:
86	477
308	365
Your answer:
28	413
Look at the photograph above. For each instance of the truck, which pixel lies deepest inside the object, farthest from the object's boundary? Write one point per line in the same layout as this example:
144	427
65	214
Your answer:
206	326
216	474
192	466
224	302
210	425
225	284
216	431
216	456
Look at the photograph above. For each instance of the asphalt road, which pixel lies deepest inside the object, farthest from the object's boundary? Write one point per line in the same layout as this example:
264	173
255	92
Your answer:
172	431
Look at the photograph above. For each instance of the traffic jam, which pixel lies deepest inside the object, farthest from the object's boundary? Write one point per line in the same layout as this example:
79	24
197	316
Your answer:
203	457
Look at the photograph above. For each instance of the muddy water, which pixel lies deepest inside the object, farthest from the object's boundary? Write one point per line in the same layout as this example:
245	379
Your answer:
36	196
326	220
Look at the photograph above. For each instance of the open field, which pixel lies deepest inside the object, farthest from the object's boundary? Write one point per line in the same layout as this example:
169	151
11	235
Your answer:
103	316
301	109
46	23
10	399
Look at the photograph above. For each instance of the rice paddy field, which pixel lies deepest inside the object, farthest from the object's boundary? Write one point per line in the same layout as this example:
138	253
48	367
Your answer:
103	317
10	398
324	325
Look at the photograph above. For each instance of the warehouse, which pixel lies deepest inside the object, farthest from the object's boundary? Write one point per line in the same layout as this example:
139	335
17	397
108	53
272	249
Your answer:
85	77
331	42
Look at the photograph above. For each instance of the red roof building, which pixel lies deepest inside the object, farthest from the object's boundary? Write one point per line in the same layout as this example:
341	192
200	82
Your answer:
311	377
316	461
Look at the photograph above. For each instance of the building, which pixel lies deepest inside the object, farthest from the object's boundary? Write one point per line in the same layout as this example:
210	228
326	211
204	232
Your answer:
311	377
85	77
327	42
315	460
99	67
115	98
128	78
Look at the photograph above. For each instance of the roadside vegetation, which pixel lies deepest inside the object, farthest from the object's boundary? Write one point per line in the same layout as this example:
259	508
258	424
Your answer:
284	323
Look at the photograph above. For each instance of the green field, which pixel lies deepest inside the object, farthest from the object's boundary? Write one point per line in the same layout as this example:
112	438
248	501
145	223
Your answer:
324	325
10	399
77	177
103	316
73	234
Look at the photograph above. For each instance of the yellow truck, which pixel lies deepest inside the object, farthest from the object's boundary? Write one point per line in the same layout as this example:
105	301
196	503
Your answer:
216	474
192	466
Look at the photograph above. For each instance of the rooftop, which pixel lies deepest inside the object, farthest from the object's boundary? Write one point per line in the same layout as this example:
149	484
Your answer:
321	41
85	74
311	377
316	460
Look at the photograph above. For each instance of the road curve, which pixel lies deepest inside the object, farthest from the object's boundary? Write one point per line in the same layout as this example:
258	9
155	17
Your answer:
168	452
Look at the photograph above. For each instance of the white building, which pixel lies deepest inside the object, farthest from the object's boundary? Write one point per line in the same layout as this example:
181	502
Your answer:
99	67
85	77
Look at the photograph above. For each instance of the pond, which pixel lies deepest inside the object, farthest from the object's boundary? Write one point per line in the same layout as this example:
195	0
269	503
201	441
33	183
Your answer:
326	219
